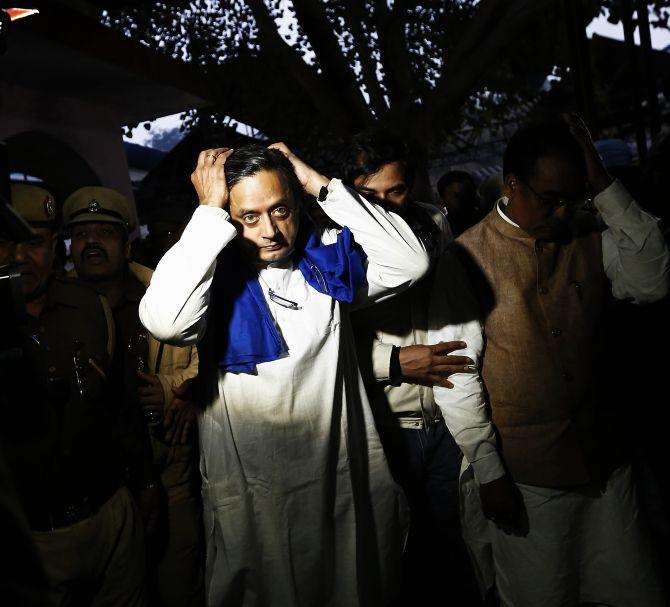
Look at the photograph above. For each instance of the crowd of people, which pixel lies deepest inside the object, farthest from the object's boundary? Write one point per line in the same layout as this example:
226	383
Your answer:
330	393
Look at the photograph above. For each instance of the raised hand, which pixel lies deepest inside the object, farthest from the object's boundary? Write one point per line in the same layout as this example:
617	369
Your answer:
311	180
597	174
209	177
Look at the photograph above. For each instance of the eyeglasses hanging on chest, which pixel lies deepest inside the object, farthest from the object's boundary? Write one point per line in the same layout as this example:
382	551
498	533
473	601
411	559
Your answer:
282	301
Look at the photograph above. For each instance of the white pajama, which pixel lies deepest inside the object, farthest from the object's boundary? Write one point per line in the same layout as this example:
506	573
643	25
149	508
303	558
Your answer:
580	548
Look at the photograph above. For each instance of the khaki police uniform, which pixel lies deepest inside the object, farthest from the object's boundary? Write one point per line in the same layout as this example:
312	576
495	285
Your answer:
73	443
174	551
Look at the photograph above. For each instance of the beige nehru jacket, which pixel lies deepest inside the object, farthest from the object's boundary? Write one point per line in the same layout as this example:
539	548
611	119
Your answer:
541	314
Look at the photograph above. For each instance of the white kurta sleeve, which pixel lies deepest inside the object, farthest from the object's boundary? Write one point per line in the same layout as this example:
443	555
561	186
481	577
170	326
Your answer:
454	316
635	253
174	307
396	257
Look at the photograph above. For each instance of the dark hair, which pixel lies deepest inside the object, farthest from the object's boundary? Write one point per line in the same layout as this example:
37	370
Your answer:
538	140
454	177
249	160
372	149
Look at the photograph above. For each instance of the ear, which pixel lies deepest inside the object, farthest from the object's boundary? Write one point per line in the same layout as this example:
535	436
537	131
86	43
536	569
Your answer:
54	242
127	250
510	185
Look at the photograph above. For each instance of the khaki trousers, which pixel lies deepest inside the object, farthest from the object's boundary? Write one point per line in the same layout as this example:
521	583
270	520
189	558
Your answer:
97	562
175	550
175	563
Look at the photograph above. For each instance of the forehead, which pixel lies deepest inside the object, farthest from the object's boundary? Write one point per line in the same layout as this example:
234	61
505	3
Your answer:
39	234
260	191
113	232
389	175
558	174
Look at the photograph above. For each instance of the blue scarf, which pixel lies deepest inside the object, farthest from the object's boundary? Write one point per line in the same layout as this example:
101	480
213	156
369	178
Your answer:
245	333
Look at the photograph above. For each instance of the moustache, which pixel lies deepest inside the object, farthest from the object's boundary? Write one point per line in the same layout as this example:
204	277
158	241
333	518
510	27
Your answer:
94	249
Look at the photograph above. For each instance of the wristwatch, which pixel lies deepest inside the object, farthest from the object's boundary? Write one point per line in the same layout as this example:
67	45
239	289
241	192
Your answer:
323	193
395	371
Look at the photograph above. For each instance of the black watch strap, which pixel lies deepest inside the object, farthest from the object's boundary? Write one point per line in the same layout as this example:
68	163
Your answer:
395	372
323	193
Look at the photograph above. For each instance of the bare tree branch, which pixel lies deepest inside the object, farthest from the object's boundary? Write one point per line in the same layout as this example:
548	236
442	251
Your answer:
435	55
495	24
312	19
393	53
312	84
354	19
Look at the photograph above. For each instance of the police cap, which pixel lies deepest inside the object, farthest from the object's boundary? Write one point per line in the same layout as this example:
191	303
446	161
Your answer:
99	204
34	204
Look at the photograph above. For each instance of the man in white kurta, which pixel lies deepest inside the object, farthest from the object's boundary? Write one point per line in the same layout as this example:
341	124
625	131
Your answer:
300	508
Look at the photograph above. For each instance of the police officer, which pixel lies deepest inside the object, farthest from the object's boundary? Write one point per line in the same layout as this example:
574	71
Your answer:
74	446
100	220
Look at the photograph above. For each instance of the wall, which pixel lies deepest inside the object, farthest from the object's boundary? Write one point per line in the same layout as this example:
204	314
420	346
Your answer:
66	142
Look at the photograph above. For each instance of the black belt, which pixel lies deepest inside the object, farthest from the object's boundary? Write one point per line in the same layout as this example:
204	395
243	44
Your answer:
76	510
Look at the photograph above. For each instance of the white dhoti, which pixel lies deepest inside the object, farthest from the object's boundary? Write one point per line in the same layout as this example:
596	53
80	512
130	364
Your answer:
581	547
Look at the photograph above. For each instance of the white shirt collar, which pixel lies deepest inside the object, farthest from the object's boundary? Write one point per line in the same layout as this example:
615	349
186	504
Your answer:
503	202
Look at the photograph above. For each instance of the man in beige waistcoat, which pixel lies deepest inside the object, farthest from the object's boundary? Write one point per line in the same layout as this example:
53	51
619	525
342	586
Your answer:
547	464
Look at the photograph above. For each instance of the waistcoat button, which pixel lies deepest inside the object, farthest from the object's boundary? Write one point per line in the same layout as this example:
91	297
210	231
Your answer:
556	332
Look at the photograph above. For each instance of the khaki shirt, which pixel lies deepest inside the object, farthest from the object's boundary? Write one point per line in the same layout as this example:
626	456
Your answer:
177	464
68	432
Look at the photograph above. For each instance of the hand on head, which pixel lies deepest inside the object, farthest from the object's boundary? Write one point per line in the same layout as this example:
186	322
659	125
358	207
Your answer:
261	188
311	180
597	174
209	177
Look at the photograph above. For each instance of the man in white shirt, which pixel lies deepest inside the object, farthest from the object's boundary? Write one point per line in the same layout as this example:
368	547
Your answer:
300	508
399	366
564	526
